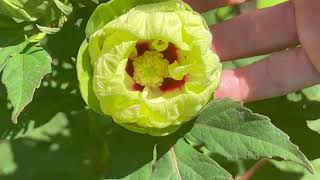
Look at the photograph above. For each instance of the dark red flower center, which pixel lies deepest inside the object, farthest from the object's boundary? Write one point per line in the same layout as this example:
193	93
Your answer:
171	54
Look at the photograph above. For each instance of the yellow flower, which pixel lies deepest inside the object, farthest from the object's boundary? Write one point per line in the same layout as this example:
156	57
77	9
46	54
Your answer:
149	66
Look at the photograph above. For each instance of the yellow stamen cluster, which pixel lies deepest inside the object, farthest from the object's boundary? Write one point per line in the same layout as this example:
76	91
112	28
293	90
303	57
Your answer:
150	69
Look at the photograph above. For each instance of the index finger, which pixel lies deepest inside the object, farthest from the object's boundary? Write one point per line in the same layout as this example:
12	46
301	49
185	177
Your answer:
259	32
279	74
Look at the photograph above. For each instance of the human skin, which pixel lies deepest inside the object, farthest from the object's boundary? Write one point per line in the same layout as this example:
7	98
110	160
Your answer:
290	31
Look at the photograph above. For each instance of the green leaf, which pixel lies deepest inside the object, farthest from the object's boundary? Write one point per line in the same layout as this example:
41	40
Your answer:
65	8
314	125
308	176
22	75
268	3
86	3
74	151
48	30
3	62
210	17
226	13
228	128
181	161
146	157
28	10
5	54
13	9
312	93
290	167
290	116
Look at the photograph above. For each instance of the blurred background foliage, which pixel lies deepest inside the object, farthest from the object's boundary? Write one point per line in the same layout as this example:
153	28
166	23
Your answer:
57	136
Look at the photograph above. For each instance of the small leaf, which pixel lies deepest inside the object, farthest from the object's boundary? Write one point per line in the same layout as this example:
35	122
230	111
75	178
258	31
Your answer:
48	30
66	9
312	93
183	162
27	10
229	129
314	125
22	75
36	38
11	9
210	17
268	3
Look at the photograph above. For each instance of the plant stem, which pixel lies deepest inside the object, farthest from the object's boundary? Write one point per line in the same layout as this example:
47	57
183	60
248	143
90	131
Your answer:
252	171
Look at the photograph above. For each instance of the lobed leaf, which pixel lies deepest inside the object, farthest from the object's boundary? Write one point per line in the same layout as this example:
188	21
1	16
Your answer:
228	128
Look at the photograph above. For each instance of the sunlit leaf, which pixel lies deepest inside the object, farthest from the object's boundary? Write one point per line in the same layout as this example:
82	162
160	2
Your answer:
23	74
314	125
227	128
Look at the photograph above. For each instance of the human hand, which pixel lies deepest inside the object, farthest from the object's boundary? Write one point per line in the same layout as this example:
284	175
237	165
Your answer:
277	29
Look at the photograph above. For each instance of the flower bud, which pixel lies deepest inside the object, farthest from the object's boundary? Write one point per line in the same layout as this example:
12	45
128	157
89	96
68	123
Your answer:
152	68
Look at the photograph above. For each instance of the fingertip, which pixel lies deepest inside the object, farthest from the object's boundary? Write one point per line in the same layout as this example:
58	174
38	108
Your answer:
232	86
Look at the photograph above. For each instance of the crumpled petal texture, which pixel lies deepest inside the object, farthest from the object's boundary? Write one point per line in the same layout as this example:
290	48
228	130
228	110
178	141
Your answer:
105	85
